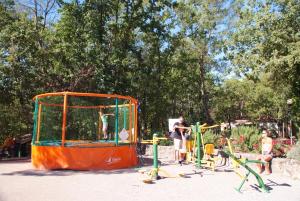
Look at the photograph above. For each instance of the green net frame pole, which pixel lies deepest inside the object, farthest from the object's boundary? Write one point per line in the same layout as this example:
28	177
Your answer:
124	116
155	160
35	114
198	133
117	122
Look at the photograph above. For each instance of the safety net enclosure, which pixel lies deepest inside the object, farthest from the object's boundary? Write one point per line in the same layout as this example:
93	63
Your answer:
84	131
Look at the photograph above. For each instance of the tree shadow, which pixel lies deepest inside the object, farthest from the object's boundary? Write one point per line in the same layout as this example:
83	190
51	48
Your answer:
66	172
16	160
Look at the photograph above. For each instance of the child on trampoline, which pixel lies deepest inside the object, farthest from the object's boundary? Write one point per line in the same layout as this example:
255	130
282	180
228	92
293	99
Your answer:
104	119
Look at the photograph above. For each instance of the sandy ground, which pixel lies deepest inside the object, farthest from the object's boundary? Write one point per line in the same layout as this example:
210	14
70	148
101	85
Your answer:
20	182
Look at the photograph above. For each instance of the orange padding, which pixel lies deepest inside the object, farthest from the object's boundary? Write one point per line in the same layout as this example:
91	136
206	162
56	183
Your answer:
75	158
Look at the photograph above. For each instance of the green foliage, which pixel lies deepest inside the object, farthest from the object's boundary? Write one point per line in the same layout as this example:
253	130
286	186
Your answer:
239	99
210	137
247	138
167	54
266	40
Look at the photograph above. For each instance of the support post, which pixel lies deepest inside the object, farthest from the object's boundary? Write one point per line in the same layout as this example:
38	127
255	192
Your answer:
198	133
124	118
135	121
63	130
155	157
117	123
130	122
35	116
39	123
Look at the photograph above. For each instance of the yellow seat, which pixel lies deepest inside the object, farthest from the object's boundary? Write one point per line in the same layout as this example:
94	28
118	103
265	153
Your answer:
209	149
189	145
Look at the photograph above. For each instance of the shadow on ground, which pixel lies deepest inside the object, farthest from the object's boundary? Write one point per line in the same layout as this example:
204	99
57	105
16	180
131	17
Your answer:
143	162
270	185
15	160
41	173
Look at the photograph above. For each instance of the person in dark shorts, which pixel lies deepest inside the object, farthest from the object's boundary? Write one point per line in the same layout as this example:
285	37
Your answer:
178	134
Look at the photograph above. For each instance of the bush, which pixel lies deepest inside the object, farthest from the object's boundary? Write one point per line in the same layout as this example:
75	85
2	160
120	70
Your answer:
209	137
294	153
247	138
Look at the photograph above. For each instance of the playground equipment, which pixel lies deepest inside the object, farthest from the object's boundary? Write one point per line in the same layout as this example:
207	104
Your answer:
237	162
68	131
206	158
154	172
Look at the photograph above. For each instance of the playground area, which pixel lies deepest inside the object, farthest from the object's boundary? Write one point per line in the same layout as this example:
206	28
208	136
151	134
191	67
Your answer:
149	100
19	181
76	156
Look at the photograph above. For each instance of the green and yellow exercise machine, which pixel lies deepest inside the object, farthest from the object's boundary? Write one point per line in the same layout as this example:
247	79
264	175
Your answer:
237	162
154	173
211	162
199	162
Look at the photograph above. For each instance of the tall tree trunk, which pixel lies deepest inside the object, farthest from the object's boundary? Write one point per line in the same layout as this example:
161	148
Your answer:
203	91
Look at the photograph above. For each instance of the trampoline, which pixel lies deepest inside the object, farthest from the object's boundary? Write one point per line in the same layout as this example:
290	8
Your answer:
69	133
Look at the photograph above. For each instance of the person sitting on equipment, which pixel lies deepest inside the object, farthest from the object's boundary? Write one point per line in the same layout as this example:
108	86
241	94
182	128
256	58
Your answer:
266	156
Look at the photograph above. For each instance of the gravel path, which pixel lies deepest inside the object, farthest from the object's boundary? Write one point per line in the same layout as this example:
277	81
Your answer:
19	182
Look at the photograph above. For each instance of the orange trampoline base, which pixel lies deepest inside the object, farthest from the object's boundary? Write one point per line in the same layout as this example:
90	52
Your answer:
86	158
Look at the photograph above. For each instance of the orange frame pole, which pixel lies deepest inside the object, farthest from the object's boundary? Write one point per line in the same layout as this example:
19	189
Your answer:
130	122
63	130
86	94
39	123
135	121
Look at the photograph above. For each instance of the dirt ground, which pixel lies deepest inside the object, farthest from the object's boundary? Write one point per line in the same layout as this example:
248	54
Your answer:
20	182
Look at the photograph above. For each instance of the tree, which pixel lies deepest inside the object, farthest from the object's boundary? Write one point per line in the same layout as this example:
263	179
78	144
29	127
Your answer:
199	21
266	39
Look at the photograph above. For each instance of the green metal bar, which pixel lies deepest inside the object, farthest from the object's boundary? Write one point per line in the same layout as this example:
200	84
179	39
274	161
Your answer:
258	178
255	161
124	120
35	115
117	122
244	180
155	157
198	133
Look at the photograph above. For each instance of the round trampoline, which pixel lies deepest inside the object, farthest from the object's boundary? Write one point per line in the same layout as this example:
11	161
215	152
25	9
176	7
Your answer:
84	131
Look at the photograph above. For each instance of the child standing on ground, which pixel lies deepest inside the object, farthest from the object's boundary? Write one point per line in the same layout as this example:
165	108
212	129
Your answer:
182	130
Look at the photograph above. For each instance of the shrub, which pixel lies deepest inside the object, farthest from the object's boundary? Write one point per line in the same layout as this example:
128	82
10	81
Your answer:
247	138
209	137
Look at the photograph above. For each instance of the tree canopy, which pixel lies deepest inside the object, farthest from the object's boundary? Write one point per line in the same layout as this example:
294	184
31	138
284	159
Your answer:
212	61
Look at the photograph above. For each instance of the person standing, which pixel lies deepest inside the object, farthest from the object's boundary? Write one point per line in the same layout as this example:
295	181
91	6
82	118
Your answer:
179	130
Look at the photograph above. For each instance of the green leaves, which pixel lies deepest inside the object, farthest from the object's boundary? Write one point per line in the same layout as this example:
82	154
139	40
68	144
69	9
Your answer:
167	54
